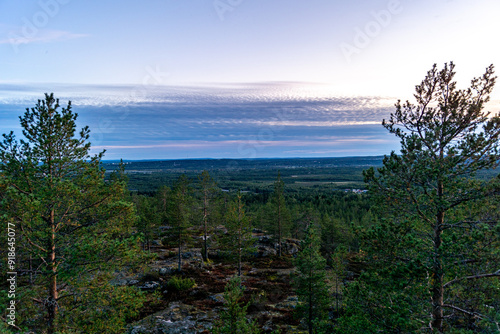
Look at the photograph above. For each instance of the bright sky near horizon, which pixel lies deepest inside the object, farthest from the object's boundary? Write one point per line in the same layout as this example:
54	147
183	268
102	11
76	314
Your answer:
237	78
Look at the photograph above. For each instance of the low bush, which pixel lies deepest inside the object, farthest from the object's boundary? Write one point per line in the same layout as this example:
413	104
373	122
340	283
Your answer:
181	284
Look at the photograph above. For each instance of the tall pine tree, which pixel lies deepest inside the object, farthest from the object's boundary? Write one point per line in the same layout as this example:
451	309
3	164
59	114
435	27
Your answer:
74	224
238	240
281	215
179	212
310	282
437	242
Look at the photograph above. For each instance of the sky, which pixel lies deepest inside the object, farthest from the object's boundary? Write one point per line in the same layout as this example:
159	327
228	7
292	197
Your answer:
236	78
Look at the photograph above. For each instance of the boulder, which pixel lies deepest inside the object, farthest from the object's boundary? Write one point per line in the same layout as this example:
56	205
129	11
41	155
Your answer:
149	286
218	298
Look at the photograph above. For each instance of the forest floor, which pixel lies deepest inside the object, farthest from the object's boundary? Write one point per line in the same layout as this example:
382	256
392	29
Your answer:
267	280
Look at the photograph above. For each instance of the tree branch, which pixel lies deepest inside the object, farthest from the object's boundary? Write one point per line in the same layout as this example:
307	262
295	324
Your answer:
495	274
474	314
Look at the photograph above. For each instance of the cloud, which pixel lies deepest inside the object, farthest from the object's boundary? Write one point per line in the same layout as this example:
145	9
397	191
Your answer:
242	121
257	143
39	36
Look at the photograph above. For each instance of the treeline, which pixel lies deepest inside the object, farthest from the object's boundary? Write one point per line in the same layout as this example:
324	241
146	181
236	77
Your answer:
281	213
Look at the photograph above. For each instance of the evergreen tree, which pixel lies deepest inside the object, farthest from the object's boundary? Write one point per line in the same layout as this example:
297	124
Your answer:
179	212
74	224
149	218
281	215
238	240
310	282
435	244
208	189
233	319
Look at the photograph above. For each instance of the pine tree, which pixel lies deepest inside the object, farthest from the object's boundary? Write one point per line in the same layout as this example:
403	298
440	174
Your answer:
74	224
233	319
310	282
149	218
208	189
179	212
436	243
238	240
281	215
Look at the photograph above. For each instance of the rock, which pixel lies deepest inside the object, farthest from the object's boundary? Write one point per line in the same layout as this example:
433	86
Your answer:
290	302
265	251
218	298
166	271
138	330
268	326
265	240
149	286
253	272
187	255
178	318
132	282
155	243
291	249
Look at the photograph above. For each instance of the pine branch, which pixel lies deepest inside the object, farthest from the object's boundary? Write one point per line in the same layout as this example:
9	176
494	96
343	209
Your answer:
495	274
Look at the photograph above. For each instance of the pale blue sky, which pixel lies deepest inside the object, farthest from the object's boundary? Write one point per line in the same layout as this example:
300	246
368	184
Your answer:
144	51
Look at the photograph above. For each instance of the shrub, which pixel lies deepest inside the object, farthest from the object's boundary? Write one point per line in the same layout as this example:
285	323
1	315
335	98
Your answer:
181	284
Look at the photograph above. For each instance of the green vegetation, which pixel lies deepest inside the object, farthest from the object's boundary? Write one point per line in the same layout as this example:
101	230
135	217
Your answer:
257	175
310	283
73	226
238	240
233	318
208	195
181	284
178	213
416	253
438	239
279	212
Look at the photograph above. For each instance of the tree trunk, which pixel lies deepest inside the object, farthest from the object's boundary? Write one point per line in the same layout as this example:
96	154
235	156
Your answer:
205	249
437	289
310	320
51	302
239	263
279	228
239	252
180	255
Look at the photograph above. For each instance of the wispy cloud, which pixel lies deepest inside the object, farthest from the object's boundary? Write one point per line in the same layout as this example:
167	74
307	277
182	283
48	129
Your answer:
245	121
225	143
